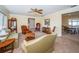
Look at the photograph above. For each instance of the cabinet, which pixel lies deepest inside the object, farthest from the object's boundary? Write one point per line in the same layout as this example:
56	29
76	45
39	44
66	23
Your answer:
12	24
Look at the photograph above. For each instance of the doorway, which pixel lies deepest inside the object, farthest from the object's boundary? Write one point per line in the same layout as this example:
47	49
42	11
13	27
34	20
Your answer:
70	25
31	23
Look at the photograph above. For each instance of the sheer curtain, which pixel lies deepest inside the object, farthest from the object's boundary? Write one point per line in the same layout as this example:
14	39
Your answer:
74	22
3	21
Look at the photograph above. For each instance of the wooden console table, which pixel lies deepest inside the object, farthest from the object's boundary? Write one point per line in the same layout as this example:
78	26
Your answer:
7	45
46	30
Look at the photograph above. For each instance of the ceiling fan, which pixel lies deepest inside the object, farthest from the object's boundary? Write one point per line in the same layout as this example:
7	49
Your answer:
39	11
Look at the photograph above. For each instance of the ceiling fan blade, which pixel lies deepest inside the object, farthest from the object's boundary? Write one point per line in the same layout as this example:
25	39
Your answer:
37	11
40	10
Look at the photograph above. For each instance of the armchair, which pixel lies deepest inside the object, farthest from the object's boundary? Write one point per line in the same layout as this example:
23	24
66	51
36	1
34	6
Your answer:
24	29
37	27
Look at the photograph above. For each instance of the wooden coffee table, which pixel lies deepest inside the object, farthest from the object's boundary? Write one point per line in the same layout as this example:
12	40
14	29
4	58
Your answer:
7	45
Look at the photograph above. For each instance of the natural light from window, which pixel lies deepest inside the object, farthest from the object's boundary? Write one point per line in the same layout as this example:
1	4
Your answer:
74	22
3	21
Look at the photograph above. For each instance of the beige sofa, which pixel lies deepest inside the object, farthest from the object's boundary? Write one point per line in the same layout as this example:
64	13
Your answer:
40	45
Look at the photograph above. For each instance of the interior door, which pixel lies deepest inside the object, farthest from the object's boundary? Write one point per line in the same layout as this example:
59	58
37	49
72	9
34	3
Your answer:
31	23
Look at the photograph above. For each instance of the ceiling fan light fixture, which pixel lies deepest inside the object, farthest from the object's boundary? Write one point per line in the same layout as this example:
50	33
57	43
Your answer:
39	11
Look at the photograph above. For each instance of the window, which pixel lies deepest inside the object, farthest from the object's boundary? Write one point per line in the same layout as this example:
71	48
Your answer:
3	20
74	22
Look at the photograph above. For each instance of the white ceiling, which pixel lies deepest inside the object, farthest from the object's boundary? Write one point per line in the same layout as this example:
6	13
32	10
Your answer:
24	9
72	13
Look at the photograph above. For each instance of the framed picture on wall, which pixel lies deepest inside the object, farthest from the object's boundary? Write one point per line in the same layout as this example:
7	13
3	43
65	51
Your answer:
47	22
29	19
31	23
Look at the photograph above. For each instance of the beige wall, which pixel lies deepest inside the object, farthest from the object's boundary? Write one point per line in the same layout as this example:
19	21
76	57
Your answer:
40	20
23	20
56	18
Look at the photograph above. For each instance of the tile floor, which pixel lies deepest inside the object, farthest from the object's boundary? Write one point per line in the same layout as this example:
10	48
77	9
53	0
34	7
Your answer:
66	44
